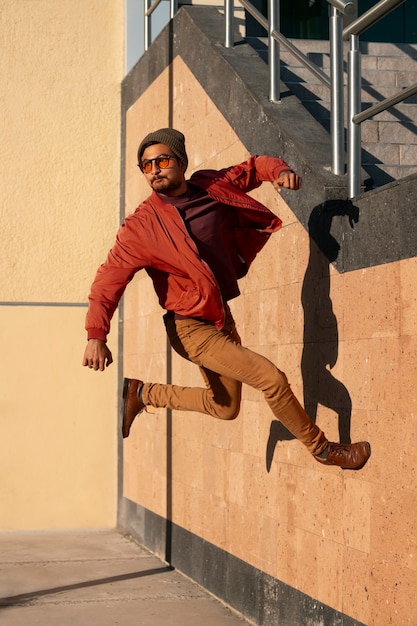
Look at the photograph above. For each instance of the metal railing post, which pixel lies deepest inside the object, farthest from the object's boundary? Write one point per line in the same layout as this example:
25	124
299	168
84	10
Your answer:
337	96
228	14
173	8
354	106
274	52
147	26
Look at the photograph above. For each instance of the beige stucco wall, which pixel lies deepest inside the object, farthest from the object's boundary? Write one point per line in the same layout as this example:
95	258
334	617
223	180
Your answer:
60	72
346	538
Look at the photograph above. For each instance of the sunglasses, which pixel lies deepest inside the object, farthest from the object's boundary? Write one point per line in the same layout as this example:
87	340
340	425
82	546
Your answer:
161	161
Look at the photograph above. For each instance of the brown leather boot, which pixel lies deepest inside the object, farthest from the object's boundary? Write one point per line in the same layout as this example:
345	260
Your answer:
347	456
132	405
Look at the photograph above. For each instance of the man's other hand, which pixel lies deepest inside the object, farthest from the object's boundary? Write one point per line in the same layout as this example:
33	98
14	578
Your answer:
287	179
97	356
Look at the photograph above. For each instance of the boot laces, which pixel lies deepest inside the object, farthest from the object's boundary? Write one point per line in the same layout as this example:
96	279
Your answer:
338	449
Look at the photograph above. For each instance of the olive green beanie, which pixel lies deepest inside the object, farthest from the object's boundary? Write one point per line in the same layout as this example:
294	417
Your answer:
170	137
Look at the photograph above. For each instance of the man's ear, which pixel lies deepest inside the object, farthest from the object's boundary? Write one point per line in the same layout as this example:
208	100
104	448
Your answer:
183	166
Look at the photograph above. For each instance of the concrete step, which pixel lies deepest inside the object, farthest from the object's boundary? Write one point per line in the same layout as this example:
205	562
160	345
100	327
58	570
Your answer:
374	48
400	113
315	90
398	71
387	81
320	109
383	174
389	139
388	77
393	133
367	48
322	60
398	64
376	132
391	154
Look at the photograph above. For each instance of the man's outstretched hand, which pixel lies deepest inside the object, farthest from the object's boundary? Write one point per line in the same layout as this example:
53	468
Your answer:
97	356
287	179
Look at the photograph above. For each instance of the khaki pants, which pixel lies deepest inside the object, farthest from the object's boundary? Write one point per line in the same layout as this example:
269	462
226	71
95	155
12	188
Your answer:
225	364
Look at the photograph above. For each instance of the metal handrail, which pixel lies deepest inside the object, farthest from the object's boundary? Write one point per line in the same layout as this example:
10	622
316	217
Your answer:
385	104
370	17
355	115
280	38
347	7
152	8
318	73
338	8
149	9
334	83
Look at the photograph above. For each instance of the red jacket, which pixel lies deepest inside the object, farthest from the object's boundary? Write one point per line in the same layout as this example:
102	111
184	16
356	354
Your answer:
154	238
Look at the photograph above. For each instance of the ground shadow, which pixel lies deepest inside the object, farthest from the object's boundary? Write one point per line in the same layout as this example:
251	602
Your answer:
320	340
32	596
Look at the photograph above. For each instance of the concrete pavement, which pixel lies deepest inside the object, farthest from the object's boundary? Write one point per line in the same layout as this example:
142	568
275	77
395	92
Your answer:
97	578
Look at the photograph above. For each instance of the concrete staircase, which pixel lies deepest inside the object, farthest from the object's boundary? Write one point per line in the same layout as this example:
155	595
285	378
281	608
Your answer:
389	140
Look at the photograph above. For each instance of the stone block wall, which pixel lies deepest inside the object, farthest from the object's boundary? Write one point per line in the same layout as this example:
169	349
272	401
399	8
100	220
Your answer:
242	502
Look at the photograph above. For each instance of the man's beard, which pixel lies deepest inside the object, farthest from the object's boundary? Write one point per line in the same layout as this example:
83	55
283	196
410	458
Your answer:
163	185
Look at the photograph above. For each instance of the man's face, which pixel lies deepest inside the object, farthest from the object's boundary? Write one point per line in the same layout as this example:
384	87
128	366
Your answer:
170	180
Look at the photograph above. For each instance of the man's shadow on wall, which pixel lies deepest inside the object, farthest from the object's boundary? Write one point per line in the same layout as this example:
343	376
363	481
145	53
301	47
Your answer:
320	339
